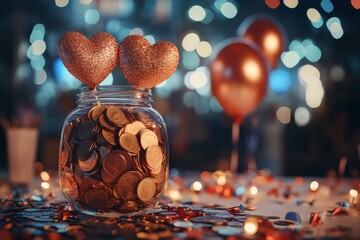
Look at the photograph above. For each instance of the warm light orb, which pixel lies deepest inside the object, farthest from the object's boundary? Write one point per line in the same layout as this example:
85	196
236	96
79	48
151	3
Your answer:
221	180
355	4
45	176
190	42
353	193
314	186
251	226
271	43
196	186
253	190
61	3
45	185
174	194
251	70
204	49
197	13
284	114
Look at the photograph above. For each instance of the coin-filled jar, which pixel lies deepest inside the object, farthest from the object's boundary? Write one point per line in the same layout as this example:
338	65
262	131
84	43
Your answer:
113	157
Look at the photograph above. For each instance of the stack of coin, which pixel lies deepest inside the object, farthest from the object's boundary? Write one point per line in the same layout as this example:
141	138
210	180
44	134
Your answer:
114	159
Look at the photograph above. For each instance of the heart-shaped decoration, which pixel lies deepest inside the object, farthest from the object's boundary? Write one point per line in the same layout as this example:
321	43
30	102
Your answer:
89	60
146	65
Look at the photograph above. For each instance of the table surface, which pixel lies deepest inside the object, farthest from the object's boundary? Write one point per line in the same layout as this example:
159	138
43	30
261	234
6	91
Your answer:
184	213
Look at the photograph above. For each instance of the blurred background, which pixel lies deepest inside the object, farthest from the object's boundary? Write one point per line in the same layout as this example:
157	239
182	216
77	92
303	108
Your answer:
299	128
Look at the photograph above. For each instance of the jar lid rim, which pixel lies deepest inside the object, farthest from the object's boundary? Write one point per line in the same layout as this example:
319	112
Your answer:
85	89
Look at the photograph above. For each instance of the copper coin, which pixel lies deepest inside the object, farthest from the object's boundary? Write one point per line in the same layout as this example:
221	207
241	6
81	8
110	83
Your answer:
68	184
148	138
65	155
96	198
96	112
68	130
88	184
130	206
115	164
85	130
90	163
105	124
127	185
129	142
116	116
146	189
79	174
153	156
110	137
84	149
134	127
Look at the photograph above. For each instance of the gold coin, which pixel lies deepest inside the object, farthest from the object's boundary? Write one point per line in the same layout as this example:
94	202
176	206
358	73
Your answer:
129	142
127	185
153	156
148	138
90	163
146	189
134	127
116	116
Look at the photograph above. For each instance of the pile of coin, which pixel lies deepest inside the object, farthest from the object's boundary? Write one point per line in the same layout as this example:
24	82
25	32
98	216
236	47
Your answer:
114	159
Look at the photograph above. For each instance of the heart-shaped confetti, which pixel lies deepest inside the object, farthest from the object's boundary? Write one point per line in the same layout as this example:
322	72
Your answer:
146	65
89	60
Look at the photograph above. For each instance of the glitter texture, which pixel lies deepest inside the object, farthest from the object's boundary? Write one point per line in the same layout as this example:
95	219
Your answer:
89	60
147	65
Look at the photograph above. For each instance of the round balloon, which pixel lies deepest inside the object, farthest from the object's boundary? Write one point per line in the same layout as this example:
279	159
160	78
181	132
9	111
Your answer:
239	77
266	32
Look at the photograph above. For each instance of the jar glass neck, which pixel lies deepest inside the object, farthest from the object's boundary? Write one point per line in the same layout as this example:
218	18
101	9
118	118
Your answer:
115	95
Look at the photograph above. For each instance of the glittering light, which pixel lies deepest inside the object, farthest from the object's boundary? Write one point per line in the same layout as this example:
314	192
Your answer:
40	76
85	2
355	4
196	186
284	115
290	59
204	49
272	3
197	13
45	185
92	16
190	60
221	180
327	6
61	3
190	42
291	3
280	81
45	176
229	10
314	186
337	73
302	116
251	226
137	31
39	47
253	190
353	193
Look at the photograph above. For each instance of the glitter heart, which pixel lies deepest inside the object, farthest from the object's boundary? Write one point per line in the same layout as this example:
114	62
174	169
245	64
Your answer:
89	60
146	65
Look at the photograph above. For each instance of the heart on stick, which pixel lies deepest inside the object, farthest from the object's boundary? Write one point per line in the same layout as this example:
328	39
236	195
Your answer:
146	65
89	60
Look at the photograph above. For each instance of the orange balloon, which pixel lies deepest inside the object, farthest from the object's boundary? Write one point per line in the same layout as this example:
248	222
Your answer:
267	33
239	78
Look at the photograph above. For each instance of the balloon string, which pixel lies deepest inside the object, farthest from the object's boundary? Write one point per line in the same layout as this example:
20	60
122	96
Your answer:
234	161
96	96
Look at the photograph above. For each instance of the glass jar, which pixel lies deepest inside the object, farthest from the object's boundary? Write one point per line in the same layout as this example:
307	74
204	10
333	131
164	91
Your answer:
113	157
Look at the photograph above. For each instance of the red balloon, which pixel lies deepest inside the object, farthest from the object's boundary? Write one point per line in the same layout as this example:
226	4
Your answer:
267	33
239	78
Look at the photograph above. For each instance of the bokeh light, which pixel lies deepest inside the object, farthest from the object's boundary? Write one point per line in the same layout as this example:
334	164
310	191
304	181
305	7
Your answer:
197	13
355	4
314	94
40	77
302	116
272	3
291	3
290	59
61	3
137	31
314	186
251	226
85	2
335	27
337	73
190	42
64	78
229	10
92	16
204	49
280	81
312	53
283	114
327	6
108	80
39	47
190	60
